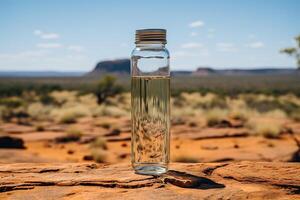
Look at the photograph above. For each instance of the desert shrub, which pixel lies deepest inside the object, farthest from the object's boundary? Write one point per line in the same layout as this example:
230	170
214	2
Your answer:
215	116
105	125
47	99
241	114
11	102
107	87
289	98
72	132
72	135
69	114
88	99
112	111
295	115
239	110
99	143
39	111
62	97
99	155
122	101
185	111
20	114
2	111
265	127
68	118
277	113
17	87
39	128
197	100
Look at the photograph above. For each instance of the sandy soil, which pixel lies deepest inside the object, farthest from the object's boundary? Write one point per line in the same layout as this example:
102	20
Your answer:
189	143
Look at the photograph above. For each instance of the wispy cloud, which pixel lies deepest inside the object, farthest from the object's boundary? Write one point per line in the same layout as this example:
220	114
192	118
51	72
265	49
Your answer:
45	35
37	32
191	45
187	54
24	54
256	45
49	45
193	34
196	24
179	53
251	36
210	35
211	30
75	48
50	36
226	47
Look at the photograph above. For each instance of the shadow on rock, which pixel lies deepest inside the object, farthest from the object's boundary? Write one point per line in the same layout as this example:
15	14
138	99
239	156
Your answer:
185	180
296	155
11	142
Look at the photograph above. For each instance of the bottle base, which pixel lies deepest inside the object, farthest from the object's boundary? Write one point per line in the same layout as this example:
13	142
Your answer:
154	170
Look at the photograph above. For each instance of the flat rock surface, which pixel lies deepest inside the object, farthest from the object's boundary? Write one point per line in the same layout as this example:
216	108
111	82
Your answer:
237	180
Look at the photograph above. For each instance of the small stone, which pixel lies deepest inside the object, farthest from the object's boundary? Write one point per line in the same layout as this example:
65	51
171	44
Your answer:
70	151
88	157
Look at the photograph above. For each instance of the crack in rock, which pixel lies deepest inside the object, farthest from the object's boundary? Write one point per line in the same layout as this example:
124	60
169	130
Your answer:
209	170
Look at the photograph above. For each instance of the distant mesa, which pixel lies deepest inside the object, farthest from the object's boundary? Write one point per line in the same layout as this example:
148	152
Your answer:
203	71
122	67
119	66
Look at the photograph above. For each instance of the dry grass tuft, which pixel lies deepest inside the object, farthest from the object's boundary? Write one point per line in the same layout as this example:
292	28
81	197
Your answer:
38	111
74	133
39	128
69	114
265	127
215	116
99	156
295	115
111	111
99	143
276	114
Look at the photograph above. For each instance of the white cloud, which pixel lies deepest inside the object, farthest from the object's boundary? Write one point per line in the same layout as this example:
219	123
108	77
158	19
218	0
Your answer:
49	45
196	24
37	32
191	45
256	45
211	30
205	53
75	48
210	36
22	55
193	34
226	47
179	53
251	36
44	35
50	36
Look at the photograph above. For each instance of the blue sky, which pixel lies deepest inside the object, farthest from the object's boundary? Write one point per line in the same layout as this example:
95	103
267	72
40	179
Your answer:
74	35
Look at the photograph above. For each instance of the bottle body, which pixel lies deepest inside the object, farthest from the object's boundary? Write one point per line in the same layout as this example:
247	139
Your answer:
150	104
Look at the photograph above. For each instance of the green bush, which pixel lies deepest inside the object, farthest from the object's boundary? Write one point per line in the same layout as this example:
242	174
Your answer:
107	87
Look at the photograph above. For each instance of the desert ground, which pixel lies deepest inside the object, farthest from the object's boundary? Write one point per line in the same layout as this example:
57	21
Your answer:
73	127
73	143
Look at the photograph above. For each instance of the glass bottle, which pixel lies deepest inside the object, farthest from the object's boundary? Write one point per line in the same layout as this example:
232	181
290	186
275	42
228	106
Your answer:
150	103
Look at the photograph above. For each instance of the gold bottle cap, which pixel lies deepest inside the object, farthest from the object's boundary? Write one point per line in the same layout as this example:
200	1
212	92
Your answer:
151	36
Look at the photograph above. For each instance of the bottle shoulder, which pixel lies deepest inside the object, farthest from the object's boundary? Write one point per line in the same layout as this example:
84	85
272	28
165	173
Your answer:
138	51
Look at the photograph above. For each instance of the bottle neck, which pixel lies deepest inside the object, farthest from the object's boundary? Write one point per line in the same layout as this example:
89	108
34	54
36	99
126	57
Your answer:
150	45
